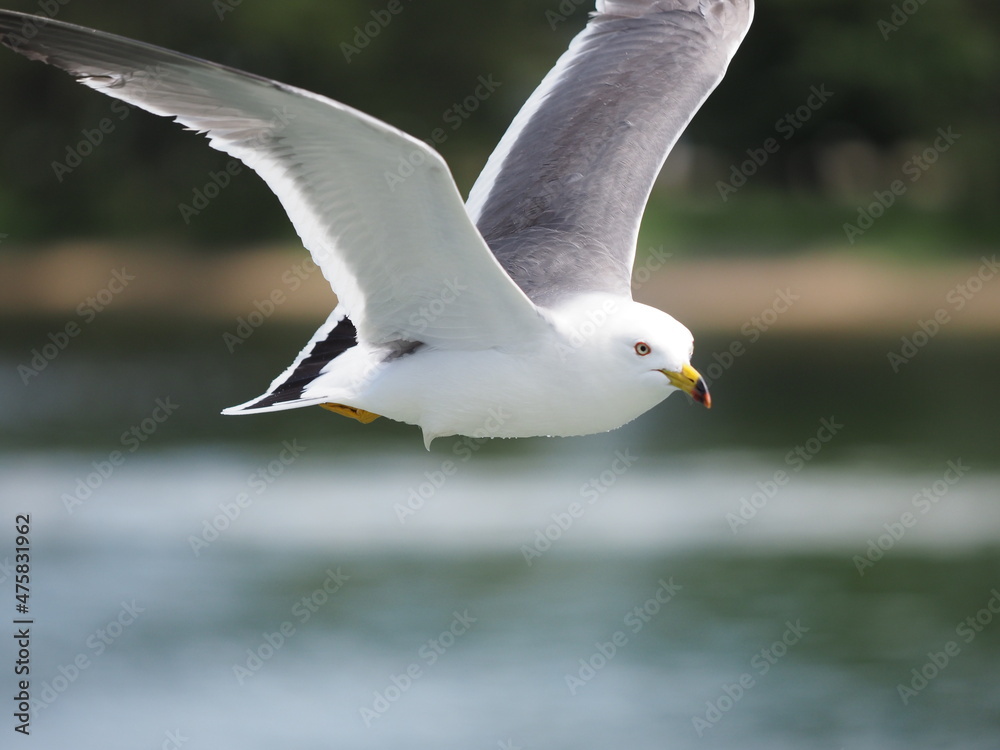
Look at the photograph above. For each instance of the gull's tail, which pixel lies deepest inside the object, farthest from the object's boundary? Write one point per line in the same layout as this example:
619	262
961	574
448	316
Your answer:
289	390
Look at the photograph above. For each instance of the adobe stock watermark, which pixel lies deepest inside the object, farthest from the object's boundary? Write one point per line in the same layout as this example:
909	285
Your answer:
786	126
634	621
366	32
956	298
901	13
656	258
28	30
937	661
796	460
446	296
173	740
87	311
590	324
914	168
301	612
131	440
6	570
202	196
923	502
455	116
256	485
427	656
751	330
95	645
563	11
761	664
591	491
247	325
463	449
223	8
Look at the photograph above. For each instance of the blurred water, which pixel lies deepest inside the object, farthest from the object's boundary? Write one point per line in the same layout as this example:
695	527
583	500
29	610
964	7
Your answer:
301	581
714	606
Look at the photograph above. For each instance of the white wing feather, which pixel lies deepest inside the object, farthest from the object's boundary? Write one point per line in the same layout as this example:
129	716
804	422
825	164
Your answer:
378	209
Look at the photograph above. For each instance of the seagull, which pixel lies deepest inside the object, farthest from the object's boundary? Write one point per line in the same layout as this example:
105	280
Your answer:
508	315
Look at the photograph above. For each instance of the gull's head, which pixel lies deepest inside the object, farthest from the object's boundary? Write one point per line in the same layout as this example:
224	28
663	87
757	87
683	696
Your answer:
638	343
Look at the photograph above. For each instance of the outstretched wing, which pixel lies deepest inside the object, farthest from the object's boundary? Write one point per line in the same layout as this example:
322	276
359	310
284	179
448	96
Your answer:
561	198
378	209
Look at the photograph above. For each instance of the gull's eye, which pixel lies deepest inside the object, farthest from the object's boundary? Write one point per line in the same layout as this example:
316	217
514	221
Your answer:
642	349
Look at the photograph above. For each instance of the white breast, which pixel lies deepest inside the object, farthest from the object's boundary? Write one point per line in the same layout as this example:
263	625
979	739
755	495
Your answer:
544	390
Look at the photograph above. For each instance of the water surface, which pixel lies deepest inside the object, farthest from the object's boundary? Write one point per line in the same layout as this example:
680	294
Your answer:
696	579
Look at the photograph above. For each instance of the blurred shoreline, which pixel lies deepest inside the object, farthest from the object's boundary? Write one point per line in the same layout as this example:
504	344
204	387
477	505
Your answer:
818	292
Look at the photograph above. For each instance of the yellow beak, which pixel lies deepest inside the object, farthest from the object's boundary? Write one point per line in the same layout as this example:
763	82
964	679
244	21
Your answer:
692	383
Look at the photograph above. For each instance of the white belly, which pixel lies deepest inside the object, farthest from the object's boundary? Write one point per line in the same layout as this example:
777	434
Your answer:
490	393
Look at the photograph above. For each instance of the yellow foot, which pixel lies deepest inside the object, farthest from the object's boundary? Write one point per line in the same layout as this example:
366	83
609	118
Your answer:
349	411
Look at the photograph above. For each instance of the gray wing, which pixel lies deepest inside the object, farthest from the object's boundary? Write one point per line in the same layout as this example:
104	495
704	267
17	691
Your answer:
560	200
397	245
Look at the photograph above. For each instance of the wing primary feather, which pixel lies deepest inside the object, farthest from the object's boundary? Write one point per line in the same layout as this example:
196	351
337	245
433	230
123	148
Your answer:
387	247
561	198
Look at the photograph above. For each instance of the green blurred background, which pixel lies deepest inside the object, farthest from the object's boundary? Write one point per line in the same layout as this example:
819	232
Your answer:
892	89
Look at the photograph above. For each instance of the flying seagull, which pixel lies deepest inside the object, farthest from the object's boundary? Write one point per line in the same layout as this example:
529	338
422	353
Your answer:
508	316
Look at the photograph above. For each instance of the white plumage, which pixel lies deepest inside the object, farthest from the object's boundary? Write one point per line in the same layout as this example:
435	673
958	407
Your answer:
510	317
